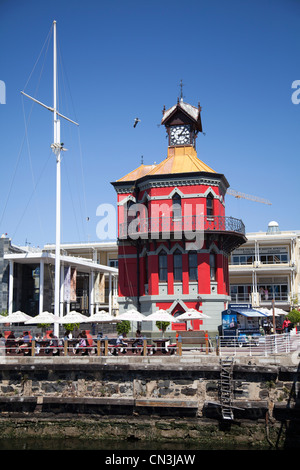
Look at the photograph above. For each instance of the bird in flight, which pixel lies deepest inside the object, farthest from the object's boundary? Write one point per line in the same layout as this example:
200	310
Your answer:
136	121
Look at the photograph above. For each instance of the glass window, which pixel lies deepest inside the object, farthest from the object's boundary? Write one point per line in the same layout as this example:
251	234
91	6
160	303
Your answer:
209	205
113	263
212	263
163	266
193	266
146	269
177	266
176	207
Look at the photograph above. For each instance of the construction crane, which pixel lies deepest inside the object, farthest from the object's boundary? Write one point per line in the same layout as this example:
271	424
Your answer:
239	195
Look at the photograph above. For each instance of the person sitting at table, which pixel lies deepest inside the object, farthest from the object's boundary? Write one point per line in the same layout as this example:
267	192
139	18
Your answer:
82	344
121	343
11	343
2	345
138	341
24	342
37	338
67	335
53	344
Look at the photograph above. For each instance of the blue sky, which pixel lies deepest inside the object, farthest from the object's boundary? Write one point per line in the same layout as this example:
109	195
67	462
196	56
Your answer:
124	59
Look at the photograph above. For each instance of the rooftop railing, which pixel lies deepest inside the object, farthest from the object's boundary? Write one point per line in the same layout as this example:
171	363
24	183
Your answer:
167	225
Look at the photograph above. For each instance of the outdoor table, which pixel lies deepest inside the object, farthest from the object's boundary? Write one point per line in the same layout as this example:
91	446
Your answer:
71	346
24	347
43	347
11	347
132	350
161	346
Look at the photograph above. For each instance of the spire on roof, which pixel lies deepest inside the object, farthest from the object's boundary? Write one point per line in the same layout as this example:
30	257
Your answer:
181	90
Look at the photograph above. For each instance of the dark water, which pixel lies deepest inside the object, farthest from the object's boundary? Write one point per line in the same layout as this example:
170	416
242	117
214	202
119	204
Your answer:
109	445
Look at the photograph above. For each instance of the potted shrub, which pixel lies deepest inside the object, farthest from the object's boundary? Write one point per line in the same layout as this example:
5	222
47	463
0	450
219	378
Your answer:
294	317
162	325
123	327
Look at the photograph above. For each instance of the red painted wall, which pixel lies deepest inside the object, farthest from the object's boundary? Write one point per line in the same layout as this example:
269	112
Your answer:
127	267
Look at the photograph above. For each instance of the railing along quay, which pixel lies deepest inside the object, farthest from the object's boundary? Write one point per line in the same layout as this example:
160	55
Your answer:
102	347
263	345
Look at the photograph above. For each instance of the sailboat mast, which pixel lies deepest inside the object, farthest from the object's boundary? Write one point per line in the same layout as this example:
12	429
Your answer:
57	146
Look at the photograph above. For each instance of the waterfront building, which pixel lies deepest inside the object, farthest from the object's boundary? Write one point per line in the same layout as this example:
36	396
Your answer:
88	278
174	239
6	247
267	267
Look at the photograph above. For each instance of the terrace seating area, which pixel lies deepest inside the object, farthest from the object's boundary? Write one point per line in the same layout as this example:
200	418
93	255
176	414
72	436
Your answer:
88	345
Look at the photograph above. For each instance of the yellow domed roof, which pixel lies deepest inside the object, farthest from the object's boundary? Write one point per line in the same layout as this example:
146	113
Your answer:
179	160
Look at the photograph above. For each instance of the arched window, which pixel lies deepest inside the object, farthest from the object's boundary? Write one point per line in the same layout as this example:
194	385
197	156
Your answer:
177	265
209	205
212	264
163	266
176	206
193	266
128	206
146	270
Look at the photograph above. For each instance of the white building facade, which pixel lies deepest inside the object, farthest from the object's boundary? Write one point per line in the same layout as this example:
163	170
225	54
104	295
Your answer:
266	268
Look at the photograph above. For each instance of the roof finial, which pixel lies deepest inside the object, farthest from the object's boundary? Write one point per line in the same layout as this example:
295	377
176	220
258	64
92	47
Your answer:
181	90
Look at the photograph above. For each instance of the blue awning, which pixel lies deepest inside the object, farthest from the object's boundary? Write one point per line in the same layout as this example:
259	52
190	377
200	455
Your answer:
246	312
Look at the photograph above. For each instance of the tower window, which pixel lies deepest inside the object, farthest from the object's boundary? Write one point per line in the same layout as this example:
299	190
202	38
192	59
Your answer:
212	263
177	266
146	269
163	266
193	266
209	205
130	203
176	206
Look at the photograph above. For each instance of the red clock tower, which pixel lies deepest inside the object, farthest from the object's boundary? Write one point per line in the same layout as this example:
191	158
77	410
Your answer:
174	239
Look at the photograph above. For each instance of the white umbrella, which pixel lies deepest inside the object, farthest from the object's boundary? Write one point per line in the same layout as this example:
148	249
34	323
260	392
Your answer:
161	315
191	314
131	315
279	311
74	317
15	317
43	318
102	317
267	312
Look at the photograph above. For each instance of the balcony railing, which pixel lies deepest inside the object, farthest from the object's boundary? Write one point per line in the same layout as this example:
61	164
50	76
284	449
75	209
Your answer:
166	225
278	297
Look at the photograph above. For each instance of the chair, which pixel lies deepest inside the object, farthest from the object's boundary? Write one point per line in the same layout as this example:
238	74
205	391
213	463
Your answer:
11	347
89	340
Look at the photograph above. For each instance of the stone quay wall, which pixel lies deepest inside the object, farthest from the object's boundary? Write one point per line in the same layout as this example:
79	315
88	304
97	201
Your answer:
147	398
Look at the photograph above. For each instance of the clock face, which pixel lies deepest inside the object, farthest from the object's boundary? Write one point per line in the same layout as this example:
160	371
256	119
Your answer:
180	135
